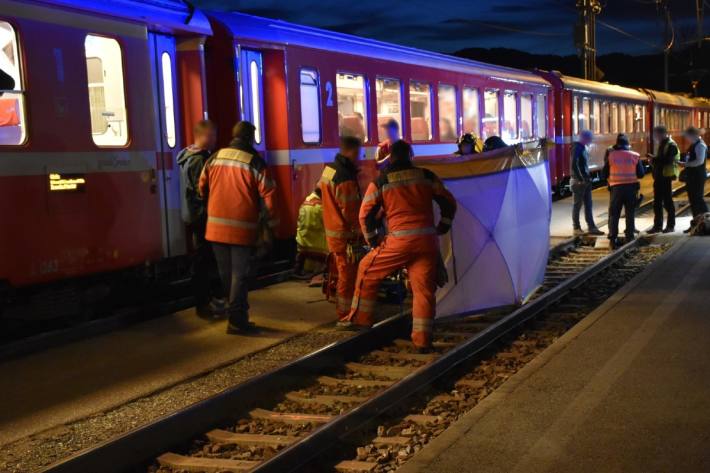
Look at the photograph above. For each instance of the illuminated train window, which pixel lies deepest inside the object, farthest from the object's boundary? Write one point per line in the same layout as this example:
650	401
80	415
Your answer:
526	116
420	110
448	113
575	115
168	98
596	116
604	122
107	100
471	121
389	103
13	127
541	111
510	116
622	118
352	105
310	106
491	117
614	118
585	113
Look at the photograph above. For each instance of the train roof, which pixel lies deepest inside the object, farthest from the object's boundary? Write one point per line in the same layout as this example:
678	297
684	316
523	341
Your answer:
599	88
241	25
169	16
666	98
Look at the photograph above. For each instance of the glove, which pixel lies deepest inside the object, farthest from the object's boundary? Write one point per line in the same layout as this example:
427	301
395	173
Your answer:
442	228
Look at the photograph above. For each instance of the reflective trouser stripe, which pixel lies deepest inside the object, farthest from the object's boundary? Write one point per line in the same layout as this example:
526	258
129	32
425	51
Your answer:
233	222
414	231
347	273
339	234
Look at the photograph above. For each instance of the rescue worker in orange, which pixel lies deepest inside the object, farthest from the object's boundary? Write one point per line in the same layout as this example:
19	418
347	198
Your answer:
405	193
235	182
391	130
341	203
622	170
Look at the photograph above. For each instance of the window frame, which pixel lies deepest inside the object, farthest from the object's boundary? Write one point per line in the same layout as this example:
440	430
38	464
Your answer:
457	112
503	116
479	108
402	105
22	91
531	96
499	107
320	104
365	101
536	114
129	135
431	108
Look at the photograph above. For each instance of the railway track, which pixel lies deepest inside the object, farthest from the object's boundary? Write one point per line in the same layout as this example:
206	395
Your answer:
279	421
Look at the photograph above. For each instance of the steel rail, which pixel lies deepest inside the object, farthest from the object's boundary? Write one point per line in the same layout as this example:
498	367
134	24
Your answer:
147	442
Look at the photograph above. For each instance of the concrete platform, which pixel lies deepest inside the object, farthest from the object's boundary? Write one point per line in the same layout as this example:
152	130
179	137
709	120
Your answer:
626	390
66	383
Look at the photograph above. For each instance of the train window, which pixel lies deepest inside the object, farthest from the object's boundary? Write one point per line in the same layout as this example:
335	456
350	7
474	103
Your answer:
584	117
13	128
541	116
596	117
575	115
107	100
526	117
420	110
614	121
510	116
471	122
604	118
389	102
639	125
491	120
448	113
352	106
168	98
622	118
629	118
310	106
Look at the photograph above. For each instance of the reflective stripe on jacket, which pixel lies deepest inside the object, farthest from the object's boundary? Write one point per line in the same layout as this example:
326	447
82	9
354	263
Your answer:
341	203
622	167
406	194
235	181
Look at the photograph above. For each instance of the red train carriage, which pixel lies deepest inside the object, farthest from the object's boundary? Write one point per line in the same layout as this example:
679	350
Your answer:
303	87
605	109
677	113
88	133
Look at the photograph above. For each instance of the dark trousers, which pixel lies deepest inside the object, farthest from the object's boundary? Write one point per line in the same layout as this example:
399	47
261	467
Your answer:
233	262
623	196
663	199
695	184
582	195
203	266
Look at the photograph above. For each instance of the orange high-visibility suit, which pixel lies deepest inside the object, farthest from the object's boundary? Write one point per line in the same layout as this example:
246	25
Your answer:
341	204
405	193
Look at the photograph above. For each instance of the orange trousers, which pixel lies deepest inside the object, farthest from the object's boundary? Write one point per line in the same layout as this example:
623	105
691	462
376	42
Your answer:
421	263
347	272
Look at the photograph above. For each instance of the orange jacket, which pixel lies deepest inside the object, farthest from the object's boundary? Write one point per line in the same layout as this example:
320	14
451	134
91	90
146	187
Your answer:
406	193
341	203
622	167
235	181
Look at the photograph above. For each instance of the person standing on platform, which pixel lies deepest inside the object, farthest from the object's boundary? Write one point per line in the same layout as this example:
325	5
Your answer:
235	182
664	165
695	172
194	214
391	131
341	204
406	194
581	184
622	170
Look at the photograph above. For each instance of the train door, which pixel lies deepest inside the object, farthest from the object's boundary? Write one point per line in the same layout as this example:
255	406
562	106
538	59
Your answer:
167	139
252	95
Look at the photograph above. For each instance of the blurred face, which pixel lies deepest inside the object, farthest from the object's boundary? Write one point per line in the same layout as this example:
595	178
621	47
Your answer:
659	136
351	154
466	148
392	133
206	139
587	139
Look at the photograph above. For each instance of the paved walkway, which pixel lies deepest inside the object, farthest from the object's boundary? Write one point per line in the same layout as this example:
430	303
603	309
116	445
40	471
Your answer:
626	390
73	381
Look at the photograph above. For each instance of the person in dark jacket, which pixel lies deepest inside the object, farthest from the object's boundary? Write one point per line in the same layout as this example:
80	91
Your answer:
493	143
191	161
664	166
581	183
695	171
622	170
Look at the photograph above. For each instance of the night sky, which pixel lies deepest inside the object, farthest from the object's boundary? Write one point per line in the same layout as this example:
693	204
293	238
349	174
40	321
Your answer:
537	26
